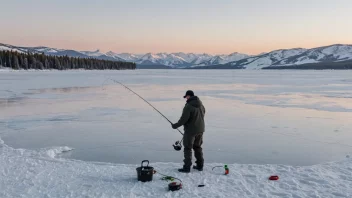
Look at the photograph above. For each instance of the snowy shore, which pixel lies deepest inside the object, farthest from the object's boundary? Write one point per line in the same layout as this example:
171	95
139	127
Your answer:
29	173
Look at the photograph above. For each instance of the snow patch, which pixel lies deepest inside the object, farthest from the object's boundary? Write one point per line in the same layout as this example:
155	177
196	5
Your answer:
5	69
93	54
5	48
53	152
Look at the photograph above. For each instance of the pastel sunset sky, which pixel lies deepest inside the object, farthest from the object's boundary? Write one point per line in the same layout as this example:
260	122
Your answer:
141	26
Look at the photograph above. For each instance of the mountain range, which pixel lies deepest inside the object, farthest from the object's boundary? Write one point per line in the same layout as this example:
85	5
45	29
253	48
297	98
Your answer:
276	58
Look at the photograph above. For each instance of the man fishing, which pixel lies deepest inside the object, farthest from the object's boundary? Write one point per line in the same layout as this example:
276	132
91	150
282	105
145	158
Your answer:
193	121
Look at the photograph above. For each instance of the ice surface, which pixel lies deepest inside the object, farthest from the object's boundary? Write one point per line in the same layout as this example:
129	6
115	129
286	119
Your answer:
255	120
246	112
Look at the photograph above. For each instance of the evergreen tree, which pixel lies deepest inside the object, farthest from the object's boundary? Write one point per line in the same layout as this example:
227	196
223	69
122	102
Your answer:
17	60
25	63
15	64
32	63
39	65
57	64
8	60
46	64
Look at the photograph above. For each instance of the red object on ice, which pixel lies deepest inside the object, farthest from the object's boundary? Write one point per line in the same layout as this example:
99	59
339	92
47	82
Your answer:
274	177
173	186
226	171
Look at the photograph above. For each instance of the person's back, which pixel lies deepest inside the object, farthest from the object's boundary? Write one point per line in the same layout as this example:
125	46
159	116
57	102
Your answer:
193	121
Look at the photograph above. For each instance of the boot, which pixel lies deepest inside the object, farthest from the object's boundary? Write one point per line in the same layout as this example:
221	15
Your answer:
185	169
199	168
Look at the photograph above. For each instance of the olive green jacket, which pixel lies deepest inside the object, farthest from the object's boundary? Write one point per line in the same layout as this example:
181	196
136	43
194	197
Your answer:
192	117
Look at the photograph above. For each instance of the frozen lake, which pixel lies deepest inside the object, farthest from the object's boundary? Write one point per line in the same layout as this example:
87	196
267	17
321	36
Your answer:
260	117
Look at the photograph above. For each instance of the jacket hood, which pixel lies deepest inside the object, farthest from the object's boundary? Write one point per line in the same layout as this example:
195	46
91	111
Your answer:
194	101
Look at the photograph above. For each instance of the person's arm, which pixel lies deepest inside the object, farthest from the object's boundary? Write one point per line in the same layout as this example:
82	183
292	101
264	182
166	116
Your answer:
184	118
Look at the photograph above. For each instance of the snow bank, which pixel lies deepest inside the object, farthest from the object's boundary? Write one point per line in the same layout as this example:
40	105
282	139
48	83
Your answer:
26	173
5	69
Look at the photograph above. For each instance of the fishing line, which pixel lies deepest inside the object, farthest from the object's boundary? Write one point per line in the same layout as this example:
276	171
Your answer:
178	144
145	101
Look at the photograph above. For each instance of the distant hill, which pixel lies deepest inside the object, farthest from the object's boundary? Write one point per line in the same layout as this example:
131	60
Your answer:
297	56
316	66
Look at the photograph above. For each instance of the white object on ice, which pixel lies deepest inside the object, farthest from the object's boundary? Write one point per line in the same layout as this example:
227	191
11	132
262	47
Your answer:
53	152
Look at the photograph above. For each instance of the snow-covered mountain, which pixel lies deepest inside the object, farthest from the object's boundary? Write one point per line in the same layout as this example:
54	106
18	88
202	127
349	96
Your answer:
92	53
46	49
333	53
283	57
177	60
163	59
201	58
126	56
188	57
223	59
267	59
296	56
6	47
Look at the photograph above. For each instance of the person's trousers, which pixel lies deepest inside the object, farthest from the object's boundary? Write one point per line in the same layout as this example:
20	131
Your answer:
193	142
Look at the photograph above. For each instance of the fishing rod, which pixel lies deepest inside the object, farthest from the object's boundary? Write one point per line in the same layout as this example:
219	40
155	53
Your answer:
177	146
146	102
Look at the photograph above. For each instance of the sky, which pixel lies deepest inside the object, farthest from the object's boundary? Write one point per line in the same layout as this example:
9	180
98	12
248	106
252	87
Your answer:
198	26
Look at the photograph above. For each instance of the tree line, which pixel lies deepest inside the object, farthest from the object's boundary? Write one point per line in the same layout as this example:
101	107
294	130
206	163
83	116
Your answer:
17	60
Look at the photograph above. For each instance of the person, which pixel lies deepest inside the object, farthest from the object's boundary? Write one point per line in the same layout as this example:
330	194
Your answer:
193	121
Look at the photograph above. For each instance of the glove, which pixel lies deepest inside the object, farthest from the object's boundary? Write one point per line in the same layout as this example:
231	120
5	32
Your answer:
173	126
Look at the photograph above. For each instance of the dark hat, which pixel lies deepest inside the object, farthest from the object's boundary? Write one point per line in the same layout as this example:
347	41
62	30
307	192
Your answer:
189	93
